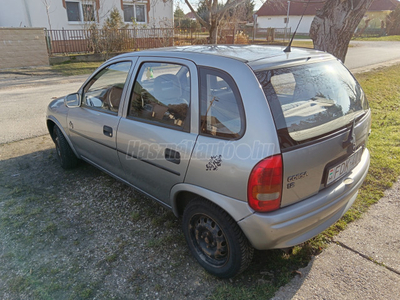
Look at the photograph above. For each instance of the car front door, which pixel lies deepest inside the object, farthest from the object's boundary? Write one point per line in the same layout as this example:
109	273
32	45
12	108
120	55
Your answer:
155	140
93	125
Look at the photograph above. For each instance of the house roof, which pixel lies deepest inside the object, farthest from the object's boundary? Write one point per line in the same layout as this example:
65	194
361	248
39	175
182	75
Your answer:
190	15
380	5
279	7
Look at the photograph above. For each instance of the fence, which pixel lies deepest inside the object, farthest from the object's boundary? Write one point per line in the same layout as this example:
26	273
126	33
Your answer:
99	40
189	37
272	34
370	32
120	40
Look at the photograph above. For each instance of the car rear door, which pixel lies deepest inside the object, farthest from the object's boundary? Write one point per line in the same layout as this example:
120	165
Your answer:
155	140
93	126
323	121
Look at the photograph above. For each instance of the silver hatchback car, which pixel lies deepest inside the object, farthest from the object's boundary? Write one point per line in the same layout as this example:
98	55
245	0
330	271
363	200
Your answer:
253	147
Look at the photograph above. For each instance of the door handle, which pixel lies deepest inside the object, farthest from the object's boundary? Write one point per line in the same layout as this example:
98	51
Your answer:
172	156
107	130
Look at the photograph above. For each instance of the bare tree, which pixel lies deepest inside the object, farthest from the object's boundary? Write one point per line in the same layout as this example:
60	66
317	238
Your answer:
47	4
334	25
216	12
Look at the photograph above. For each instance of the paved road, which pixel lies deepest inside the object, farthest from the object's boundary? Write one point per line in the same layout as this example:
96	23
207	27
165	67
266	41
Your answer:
363	54
23	107
23	100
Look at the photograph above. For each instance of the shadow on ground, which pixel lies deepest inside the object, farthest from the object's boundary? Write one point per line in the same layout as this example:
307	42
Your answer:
81	234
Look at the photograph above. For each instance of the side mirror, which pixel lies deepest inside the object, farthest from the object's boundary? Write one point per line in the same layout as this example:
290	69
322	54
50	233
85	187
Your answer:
72	100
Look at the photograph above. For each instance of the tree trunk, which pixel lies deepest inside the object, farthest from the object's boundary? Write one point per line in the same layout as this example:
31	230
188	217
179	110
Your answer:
215	15
334	25
213	31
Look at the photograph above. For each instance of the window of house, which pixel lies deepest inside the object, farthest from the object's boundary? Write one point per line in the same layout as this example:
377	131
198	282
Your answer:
140	13
161	95
73	11
78	11
135	12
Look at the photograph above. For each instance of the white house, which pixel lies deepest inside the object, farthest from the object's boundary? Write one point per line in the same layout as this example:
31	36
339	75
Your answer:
282	13
76	14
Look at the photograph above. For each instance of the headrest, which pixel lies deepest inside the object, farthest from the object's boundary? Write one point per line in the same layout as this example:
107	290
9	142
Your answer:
167	87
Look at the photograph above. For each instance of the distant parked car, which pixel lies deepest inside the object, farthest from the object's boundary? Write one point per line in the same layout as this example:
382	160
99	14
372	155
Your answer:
253	147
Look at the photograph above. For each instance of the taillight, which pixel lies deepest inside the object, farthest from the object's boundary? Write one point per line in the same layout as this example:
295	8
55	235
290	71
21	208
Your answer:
264	190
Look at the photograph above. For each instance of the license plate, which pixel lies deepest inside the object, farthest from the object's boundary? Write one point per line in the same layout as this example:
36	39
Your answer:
344	167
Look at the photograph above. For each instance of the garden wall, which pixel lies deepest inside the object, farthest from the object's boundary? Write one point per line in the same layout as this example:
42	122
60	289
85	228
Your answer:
22	47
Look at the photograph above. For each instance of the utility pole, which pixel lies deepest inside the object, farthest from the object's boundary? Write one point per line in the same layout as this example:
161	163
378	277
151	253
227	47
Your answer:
254	25
287	19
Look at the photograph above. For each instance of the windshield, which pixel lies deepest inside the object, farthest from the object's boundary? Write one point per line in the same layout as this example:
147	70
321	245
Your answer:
313	99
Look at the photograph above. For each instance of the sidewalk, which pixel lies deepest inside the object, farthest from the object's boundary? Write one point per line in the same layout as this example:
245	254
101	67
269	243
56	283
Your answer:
363	264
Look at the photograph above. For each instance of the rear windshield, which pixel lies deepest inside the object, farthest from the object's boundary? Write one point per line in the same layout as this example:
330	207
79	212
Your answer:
313	99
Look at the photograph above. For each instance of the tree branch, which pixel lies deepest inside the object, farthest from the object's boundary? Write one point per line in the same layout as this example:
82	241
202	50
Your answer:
202	22
229	5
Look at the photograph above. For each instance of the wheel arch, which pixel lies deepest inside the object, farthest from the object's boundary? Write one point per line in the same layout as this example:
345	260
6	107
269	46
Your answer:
182	194
51	122
50	127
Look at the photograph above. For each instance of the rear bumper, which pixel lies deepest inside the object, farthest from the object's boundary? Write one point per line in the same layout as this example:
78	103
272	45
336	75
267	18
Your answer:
299	222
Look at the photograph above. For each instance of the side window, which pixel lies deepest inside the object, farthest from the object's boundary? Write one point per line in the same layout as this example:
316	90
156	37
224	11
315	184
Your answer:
161	94
104	91
221	109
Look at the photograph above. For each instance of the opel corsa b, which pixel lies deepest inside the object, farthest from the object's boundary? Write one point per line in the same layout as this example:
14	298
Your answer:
253	147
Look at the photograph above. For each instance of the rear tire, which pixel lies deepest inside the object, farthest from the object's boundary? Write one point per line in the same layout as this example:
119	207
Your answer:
215	239
65	155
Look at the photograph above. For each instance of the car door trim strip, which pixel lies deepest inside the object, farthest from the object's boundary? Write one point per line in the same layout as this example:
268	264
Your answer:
90	139
151	163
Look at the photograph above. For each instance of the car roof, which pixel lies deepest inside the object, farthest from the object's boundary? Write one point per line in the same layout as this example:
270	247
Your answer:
256	56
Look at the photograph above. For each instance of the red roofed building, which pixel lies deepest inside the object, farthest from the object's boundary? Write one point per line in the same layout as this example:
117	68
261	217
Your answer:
274	13
190	16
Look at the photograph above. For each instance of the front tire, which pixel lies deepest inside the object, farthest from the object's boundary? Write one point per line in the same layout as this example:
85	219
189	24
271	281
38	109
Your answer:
65	155
215	239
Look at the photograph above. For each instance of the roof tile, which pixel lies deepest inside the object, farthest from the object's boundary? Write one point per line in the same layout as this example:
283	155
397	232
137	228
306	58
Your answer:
279	7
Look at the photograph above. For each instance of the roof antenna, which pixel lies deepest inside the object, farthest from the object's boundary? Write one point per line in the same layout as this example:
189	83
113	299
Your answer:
288	48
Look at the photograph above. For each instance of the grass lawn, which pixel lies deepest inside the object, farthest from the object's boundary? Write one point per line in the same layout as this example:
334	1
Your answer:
304	44
75	68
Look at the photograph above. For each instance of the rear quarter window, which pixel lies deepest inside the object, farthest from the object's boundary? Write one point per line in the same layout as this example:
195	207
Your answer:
221	108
